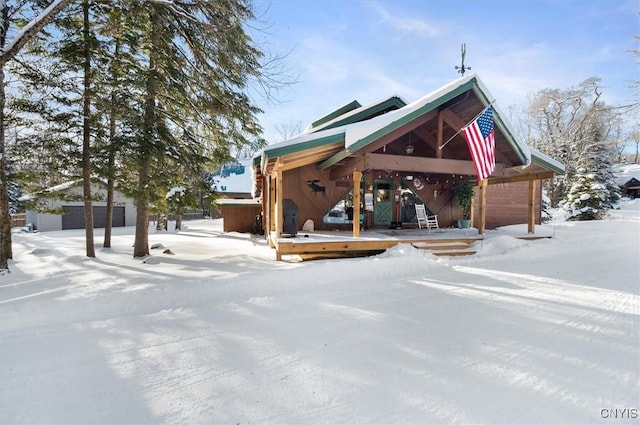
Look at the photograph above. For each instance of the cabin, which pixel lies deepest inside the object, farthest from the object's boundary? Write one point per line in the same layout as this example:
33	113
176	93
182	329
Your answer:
627	178
365	167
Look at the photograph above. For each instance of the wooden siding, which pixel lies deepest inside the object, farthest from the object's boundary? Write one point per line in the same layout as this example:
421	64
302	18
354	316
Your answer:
239	218
508	204
313	205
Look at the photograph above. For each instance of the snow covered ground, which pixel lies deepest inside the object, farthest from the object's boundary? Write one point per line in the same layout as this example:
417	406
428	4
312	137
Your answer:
545	331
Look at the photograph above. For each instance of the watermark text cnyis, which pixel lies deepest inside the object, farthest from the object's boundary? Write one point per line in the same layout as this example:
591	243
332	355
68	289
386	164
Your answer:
618	413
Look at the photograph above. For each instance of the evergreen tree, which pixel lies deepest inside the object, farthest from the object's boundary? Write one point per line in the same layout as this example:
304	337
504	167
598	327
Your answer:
594	190
65	92
199	64
118	100
587	198
10	44
14	197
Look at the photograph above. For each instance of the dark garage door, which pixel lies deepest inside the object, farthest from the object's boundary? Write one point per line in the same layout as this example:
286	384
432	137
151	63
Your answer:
74	217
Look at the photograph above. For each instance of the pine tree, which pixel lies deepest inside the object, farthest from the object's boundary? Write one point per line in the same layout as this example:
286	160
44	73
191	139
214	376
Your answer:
9	49
116	98
65	90
587	198
200	61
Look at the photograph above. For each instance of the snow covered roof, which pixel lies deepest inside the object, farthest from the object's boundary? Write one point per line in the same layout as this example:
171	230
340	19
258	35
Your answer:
60	188
540	158
345	135
332	115
238	180
361	134
626	172
359	114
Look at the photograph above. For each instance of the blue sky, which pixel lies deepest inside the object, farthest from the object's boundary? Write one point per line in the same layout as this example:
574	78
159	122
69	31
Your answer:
368	50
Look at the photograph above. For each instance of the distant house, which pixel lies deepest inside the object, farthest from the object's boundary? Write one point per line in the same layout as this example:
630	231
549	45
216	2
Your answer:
628	179
67	198
234	180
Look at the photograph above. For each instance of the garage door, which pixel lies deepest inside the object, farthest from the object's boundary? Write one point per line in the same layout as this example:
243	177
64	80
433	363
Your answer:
73	217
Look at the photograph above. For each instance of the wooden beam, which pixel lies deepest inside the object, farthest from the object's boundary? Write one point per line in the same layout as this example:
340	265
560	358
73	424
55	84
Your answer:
482	210
375	161
439	140
357	176
401	131
522	177
355	163
532	204
452	119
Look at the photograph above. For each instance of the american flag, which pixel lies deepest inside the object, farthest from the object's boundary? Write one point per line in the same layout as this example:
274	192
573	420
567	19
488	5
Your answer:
482	144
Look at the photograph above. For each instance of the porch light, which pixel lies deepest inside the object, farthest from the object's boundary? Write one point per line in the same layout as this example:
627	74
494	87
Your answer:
409	149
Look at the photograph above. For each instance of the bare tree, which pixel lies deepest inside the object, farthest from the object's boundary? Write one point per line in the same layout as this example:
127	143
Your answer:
562	124
288	131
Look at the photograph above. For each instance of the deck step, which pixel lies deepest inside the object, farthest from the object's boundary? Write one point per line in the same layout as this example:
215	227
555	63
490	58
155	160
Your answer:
446	248
458	253
439	246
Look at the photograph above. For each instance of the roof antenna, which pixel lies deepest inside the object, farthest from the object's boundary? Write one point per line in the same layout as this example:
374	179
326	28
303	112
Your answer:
461	69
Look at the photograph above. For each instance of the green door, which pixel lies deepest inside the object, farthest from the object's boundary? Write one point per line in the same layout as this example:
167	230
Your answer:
383	203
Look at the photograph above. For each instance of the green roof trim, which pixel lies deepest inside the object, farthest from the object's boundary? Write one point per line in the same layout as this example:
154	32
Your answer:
334	114
547	162
472	85
411	116
393	102
312	143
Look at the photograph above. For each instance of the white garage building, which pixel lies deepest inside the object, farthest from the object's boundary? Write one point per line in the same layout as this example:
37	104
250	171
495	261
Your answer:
124	209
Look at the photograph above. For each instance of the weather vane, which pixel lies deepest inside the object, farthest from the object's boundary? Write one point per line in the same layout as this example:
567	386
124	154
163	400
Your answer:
461	69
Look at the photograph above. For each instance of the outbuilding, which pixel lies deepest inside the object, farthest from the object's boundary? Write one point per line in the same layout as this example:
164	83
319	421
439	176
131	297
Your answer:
61	207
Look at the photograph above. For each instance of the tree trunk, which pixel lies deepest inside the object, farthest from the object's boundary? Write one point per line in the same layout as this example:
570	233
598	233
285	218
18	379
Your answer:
110	185
112	155
8	52
179	219
5	218
86	135
141	245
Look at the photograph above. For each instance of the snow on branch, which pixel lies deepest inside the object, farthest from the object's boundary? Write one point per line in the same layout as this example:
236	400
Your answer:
31	29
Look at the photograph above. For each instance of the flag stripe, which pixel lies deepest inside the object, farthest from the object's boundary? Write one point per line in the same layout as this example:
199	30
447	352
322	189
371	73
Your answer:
480	137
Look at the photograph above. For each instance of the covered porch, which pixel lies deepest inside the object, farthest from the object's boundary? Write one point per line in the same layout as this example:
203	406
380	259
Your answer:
378	161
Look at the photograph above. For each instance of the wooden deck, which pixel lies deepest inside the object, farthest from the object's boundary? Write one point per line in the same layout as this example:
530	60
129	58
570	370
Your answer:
316	245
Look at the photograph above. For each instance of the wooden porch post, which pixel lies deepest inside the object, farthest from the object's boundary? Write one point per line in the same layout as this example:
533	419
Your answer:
482	209
357	176
270	225
440	135
266	203
532	202
279	215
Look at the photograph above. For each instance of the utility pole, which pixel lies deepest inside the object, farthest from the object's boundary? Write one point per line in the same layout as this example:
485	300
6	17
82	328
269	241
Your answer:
461	69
